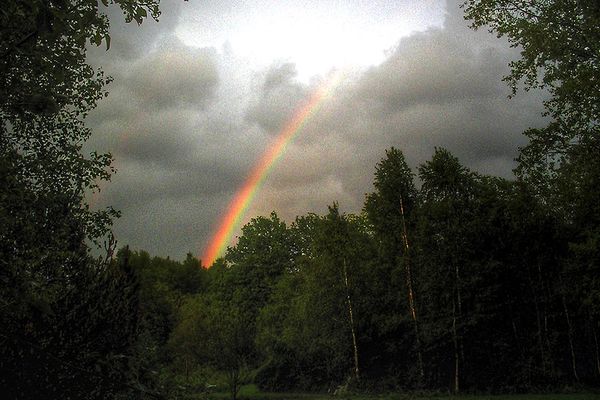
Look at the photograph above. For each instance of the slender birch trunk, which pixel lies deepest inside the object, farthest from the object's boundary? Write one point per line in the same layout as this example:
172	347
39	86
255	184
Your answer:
459	302
351	314
456	350
546	295
233	383
570	336
538	320
187	371
457	313
459	353
411	294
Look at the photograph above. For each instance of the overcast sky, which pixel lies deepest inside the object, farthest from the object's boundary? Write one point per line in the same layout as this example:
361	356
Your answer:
198	97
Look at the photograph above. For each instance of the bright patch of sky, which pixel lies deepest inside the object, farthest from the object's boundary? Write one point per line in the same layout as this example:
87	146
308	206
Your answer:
315	35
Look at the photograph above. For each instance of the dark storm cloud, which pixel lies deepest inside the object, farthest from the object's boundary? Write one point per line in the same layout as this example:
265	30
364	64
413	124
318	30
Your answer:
139	183
279	96
173	154
158	137
174	77
167	227
443	88
151	108
434	67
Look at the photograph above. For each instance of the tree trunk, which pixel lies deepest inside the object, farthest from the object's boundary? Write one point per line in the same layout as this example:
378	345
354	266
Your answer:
538	320
187	371
545	300
411	295
456	350
459	302
570	336
234	379
456	316
596	347
352	329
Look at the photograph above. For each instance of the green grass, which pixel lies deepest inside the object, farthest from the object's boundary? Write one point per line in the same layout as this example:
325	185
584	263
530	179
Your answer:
251	392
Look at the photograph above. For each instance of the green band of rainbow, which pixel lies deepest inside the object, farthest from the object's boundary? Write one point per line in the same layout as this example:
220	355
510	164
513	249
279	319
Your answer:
242	199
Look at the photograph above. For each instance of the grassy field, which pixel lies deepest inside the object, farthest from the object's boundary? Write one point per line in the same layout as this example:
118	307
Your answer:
250	392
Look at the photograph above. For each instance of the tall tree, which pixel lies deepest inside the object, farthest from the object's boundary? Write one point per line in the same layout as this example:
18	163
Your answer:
389	209
315	323
341	247
447	192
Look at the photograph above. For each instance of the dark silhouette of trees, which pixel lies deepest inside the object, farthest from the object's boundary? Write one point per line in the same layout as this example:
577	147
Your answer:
69	320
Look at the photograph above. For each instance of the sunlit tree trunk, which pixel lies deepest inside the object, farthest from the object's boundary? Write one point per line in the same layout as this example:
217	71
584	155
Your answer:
352	327
458	301
569	330
411	295
187	371
518	343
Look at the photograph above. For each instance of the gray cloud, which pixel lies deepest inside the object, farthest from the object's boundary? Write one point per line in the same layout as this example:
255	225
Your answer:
176	77
434	67
278	98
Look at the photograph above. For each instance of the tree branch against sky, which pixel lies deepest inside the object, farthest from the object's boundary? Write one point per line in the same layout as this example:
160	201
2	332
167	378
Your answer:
559	44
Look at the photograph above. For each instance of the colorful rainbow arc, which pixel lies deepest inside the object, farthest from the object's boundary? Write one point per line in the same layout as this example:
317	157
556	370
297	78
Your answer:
242	199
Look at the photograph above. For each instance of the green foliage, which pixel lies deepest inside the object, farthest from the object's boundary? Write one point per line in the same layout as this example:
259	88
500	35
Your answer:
73	339
488	260
213	333
559	42
215	317
69	322
305	330
47	89
560	51
394	188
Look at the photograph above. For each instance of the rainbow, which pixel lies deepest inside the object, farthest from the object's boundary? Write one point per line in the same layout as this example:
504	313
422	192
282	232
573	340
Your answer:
243	198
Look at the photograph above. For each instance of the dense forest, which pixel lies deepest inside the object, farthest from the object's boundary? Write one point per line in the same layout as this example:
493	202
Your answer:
447	280
468	283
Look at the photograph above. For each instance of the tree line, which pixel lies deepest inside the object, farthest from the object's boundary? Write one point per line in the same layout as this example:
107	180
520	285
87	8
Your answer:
466	283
